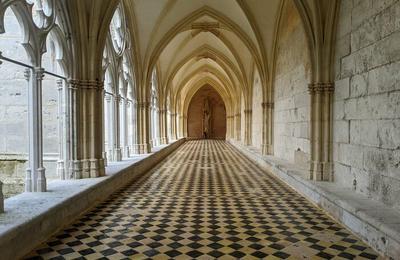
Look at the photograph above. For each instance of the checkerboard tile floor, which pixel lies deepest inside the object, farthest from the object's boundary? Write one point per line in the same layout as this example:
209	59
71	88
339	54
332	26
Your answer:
205	201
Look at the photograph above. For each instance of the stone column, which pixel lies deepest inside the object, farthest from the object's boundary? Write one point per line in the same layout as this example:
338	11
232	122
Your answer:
134	126
321	131
174	134
75	166
248	113
110	127
60	162
124	127
1	198
90	145
163	114
268	112
237	126
105	123
117	129
184	126
35	180
143	128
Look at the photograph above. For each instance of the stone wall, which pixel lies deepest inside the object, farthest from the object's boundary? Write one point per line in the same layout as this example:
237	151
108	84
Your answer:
257	112
14	112
367	99
292	100
218	114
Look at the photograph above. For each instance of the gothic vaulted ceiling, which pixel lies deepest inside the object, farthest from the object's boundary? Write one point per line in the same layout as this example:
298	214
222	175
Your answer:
193	42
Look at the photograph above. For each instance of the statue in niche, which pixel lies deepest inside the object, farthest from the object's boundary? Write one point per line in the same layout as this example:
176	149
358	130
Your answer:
206	119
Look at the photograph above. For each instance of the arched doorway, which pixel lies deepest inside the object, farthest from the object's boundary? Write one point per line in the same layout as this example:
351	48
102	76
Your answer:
206	115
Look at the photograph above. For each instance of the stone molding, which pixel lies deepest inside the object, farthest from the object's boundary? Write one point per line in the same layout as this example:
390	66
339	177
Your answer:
86	84
321	87
268	105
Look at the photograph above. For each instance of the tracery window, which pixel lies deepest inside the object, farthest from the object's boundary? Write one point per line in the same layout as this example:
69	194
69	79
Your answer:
119	95
33	51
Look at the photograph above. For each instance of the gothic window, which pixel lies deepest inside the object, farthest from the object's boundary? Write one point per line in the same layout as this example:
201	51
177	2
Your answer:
32	78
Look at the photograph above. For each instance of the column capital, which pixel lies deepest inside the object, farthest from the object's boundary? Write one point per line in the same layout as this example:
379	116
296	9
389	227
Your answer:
143	104
59	83
86	84
268	104
248	111
321	87
27	74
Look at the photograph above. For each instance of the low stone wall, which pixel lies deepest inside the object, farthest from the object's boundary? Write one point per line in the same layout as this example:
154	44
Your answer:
375	223
43	214
13	168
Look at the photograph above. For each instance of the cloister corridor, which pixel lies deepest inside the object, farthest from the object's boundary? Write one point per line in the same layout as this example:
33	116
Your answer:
205	201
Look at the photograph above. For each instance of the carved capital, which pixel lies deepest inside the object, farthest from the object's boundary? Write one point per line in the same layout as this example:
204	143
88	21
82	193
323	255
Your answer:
27	74
268	104
248	111
86	84
321	87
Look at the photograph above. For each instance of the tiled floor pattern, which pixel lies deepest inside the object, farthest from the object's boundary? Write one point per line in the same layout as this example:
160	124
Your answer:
205	201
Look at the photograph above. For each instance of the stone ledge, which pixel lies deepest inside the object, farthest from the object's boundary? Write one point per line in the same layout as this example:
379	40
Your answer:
31	218
375	223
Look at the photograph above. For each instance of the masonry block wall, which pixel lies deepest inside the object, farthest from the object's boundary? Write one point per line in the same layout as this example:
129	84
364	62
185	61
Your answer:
292	100
367	99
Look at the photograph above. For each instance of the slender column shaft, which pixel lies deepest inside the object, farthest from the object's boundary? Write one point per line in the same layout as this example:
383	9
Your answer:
321	136
237	125
60	162
143	128
247	130
124	127
110	126
117	129
268	111
35	178
75	166
174	133
134	126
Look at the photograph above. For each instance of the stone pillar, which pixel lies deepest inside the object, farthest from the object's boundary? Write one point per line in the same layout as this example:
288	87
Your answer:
162	115
1	198
268	112
229	127
124	127
35	180
184	126
143	128
117	129
89	162
74	166
174	134
60	162
134	126
237	126
105	123
110	126
321	131
248	113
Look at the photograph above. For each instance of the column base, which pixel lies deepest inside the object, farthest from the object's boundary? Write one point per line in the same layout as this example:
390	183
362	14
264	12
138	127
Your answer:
321	171
75	170
164	140
1	198
41	180
28	180
105	159
61	169
142	148
126	152
117	155
267	149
